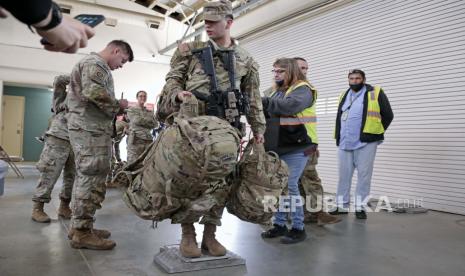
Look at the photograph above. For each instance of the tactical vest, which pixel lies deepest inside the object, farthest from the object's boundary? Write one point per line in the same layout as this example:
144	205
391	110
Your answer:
373	124
306	117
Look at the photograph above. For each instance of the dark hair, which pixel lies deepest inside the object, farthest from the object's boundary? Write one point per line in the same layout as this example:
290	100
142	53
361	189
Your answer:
123	45
300	58
356	71
141	91
229	16
293	72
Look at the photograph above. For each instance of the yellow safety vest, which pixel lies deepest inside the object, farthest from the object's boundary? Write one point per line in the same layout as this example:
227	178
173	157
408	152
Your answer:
373	124
306	117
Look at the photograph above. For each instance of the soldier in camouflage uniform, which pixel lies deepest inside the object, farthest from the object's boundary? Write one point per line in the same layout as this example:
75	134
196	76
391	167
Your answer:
141	123
92	106
187	75
56	156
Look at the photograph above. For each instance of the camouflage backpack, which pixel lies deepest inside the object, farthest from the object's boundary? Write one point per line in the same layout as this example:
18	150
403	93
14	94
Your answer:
261	175
178	175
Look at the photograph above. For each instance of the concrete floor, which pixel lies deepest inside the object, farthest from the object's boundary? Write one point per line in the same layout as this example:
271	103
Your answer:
385	244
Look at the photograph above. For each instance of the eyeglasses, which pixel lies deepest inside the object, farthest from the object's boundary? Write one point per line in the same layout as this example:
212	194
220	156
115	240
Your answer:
278	71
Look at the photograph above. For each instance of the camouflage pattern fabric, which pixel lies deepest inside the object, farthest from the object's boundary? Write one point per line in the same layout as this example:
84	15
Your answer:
261	174
141	123
116	164
187	74
310	184
92	105
182	175
59	93
56	156
58	125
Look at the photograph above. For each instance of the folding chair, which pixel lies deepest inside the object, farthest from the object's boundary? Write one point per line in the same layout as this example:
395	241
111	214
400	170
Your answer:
10	160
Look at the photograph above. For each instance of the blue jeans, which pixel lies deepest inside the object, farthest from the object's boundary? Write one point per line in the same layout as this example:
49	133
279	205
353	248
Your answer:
363	159
296	163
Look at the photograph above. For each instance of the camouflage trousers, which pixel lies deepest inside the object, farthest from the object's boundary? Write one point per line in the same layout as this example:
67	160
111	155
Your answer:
214	215
56	156
310	184
93	152
136	147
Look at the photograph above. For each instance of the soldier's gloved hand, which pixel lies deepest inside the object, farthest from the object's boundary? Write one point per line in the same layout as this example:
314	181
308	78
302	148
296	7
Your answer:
183	95
259	138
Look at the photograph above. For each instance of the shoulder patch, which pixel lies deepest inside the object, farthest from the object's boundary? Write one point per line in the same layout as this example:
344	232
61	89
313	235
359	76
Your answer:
98	74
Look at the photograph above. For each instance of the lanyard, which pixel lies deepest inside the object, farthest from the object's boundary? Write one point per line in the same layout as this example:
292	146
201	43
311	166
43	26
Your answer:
352	99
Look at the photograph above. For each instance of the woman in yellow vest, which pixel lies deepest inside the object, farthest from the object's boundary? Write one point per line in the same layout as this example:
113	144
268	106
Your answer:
291	132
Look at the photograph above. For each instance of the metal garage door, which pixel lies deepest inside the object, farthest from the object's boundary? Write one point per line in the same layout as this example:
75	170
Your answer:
416	51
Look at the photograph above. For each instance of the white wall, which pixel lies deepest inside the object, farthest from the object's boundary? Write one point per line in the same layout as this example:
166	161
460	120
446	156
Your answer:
270	12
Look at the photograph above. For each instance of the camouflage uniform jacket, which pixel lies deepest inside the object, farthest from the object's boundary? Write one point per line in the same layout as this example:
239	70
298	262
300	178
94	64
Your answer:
91	100
187	74
58	125
141	122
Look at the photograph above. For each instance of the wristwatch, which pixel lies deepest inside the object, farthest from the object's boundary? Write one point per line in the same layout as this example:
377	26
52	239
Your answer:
54	21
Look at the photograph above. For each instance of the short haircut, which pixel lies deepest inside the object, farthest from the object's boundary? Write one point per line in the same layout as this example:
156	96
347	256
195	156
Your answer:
141	91
123	45
357	71
300	58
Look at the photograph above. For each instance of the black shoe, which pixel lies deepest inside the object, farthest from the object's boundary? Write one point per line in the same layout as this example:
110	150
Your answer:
276	231
294	236
339	211
361	214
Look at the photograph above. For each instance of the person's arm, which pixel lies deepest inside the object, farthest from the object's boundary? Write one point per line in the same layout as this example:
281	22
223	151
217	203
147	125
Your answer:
59	92
63	35
93	78
385	110
291	104
175	78
250	85
29	12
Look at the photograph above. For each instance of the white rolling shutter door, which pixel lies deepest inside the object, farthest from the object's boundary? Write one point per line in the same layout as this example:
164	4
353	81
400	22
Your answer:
415	50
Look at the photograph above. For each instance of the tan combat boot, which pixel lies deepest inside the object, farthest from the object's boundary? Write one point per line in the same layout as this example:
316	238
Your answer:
64	211
209	242
101	233
85	238
38	213
188	246
324	218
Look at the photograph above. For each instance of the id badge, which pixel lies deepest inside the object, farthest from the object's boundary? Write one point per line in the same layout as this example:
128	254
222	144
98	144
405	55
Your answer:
345	115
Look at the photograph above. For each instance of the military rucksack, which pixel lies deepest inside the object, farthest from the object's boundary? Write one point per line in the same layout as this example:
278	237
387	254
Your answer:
180	172
261	177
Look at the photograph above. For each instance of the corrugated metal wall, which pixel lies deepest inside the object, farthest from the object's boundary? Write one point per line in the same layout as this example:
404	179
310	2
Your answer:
416	51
